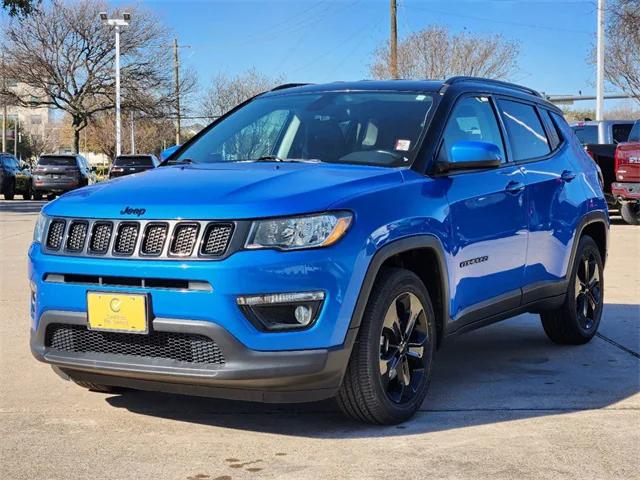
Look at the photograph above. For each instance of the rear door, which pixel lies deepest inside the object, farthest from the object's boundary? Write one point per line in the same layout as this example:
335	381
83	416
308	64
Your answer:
487	215
554	196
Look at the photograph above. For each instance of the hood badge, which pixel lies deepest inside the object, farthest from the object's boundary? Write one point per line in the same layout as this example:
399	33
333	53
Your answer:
133	211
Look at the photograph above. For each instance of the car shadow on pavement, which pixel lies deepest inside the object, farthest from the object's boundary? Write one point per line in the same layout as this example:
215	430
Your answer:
21	207
504	372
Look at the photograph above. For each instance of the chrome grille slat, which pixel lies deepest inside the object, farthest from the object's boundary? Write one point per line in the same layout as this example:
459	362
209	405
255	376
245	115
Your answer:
146	239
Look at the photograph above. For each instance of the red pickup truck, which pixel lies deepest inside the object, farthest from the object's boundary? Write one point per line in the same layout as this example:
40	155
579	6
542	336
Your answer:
626	188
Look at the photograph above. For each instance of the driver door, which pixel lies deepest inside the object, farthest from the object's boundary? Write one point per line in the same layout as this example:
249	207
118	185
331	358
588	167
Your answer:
487	218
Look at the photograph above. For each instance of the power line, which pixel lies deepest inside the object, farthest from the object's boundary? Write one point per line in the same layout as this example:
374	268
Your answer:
493	20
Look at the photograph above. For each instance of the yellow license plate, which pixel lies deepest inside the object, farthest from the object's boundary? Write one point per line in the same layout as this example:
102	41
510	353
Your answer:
117	312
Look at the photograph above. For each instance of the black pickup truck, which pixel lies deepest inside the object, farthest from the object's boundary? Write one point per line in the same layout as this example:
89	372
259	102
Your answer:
600	139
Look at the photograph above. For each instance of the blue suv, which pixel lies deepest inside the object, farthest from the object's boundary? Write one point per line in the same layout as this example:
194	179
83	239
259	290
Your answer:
323	241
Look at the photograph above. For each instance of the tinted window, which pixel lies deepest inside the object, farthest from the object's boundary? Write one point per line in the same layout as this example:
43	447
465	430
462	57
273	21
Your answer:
587	134
634	136
621	132
472	119
58	160
131	161
380	128
526	134
555	135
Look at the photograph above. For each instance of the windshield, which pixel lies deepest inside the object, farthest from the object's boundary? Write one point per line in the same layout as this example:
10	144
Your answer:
133	162
587	134
634	136
60	161
376	128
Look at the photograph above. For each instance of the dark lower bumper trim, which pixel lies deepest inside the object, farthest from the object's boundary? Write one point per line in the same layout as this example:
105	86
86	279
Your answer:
283	376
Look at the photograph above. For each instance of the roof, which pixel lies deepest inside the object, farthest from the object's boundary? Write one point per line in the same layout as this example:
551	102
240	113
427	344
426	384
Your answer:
455	83
361	85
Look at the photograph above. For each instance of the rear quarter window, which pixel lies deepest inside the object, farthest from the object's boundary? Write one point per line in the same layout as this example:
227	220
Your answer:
526	134
634	136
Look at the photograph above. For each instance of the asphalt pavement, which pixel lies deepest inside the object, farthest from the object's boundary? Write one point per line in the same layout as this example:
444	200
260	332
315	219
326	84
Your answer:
504	403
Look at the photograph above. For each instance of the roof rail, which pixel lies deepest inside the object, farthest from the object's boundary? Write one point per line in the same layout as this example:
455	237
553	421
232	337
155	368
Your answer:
288	85
498	83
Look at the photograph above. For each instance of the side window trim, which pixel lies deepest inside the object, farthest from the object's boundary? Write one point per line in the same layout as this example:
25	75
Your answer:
549	123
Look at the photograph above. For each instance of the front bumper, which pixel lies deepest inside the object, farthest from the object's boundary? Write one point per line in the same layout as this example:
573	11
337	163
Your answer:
285	376
626	191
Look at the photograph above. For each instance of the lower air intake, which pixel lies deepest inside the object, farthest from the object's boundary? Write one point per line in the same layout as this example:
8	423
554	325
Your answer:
181	347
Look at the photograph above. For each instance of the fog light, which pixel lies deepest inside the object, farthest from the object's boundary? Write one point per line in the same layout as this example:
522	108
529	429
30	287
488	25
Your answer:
303	314
282	311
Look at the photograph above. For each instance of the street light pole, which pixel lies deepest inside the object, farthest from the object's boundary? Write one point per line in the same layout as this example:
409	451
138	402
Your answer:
117	23
118	124
600	63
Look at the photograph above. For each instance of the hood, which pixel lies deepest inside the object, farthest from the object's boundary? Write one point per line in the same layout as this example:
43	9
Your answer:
224	191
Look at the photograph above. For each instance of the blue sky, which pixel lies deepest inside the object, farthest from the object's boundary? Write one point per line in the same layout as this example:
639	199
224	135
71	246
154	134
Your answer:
323	40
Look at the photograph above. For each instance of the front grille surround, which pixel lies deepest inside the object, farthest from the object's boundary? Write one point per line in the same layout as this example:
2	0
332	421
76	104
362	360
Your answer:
186	348
146	239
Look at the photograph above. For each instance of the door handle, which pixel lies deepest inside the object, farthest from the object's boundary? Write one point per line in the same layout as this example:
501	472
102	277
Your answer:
567	175
514	187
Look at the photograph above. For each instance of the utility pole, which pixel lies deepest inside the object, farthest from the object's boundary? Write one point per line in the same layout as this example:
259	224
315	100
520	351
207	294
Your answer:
4	107
600	62
393	60
15	136
176	67
133	136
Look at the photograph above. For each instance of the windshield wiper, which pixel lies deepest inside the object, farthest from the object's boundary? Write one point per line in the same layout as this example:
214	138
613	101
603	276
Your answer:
275	158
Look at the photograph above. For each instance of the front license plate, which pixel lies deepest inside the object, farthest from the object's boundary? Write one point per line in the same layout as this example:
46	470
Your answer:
117	312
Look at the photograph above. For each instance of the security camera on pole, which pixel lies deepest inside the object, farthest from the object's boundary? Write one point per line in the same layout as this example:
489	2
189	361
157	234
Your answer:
117	23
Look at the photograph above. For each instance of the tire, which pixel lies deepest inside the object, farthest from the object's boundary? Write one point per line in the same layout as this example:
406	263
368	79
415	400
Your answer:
386	379
10	190
630	213
51	196
27	195
37	195
94	387
577	320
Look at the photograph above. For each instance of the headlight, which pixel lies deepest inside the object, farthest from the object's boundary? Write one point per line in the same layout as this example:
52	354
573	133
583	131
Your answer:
38	230
299	232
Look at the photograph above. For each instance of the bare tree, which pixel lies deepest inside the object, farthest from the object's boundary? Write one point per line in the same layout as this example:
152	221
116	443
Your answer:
436	53
20	7
149	134
65	56
226	92
622	57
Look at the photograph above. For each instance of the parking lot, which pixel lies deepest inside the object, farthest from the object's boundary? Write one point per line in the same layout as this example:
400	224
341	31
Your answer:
504	403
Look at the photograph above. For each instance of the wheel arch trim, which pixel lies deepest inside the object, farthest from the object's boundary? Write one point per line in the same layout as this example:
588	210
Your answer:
416	242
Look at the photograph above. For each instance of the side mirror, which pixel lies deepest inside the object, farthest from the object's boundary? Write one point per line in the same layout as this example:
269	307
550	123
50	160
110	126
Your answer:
471	155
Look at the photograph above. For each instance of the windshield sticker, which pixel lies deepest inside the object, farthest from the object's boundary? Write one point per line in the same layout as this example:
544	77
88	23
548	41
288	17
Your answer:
403	145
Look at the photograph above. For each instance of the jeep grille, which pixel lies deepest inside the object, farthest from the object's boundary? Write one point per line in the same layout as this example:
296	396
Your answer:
169	240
